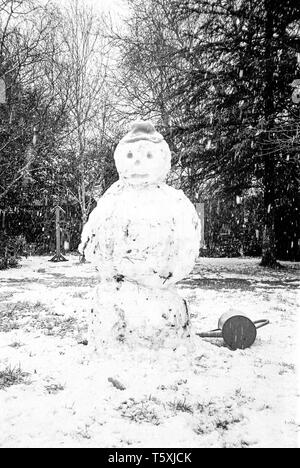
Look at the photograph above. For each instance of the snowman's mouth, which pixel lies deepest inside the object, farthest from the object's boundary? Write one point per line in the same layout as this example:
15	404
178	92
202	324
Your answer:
139	176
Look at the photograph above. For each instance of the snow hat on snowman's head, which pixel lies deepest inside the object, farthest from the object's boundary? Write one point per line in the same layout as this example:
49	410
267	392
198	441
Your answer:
143	156
142	130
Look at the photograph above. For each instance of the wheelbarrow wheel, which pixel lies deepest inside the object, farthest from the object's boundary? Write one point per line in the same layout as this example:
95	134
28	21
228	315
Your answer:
239	332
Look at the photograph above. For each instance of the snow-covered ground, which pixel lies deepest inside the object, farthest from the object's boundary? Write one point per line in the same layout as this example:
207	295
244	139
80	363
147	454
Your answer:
208	396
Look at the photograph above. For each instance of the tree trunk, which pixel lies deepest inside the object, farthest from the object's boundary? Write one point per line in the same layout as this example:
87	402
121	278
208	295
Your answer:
269	238
83	202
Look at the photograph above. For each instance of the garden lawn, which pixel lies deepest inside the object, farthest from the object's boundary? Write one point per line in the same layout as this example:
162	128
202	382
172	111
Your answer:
53	394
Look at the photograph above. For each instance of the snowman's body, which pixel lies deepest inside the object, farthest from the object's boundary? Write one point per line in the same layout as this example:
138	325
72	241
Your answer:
144	237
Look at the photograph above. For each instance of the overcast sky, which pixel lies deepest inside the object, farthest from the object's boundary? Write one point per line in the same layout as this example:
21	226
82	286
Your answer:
115	7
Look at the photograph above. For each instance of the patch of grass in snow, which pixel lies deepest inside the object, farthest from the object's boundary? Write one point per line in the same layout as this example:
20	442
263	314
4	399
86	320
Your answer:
8	321
241	398
25	308
60	281
219	283
84	433
56	326
241	284
16	344
238	444
13	313
216	416
36	315
80	294
53	389
180	406
143	411
12	376
8	326
288	366
225	422
5	296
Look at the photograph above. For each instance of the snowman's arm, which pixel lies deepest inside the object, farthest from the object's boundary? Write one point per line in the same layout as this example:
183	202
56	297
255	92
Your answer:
91	225
187	239
88	231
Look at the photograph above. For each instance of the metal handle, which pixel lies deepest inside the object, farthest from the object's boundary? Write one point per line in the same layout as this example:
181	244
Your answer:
211	334
262	323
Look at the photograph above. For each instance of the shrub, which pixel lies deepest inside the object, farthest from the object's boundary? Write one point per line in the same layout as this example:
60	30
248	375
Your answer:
10	250
3	263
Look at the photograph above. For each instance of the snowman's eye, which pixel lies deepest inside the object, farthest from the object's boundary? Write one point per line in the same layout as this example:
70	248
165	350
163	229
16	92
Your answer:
149	156
129	155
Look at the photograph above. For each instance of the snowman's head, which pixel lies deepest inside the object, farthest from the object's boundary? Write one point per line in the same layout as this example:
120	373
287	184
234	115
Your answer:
143	156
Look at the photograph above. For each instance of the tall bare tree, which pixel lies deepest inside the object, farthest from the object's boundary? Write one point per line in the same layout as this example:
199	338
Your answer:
25	32
84	59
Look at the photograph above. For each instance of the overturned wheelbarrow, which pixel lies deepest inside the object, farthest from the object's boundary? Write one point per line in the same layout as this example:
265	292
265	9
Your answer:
237	330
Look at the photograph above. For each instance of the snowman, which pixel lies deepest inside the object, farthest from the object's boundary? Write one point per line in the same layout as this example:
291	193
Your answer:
143	237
